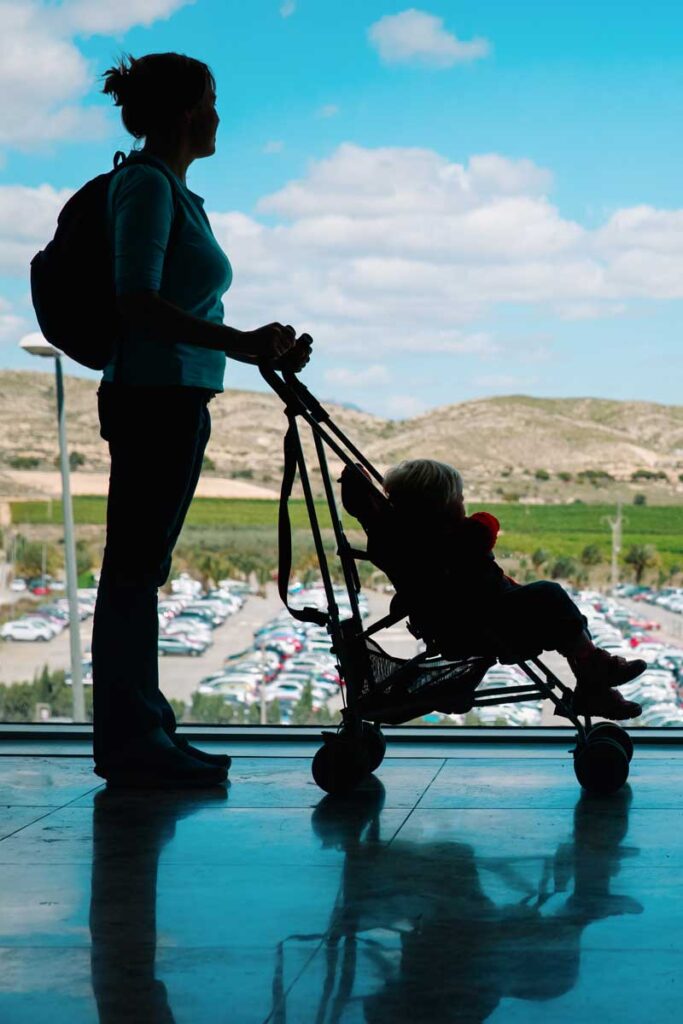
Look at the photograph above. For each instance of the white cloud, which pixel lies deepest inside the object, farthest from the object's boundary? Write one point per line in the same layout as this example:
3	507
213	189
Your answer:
417	37
43	75
402	407
590	310
273	146
28	218
367	377
399	251
11	325
287	8
93	17
328	110
509	382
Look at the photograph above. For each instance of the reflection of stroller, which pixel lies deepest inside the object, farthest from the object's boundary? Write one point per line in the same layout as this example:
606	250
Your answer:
381	688
441	930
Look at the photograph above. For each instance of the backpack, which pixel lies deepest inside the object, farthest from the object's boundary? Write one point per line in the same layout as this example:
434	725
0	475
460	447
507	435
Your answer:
72	278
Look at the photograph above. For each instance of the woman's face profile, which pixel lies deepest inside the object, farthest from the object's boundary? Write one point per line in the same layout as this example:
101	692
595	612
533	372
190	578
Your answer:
204	121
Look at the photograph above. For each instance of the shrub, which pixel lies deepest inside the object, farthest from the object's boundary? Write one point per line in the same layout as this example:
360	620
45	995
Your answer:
208	464
23	461
596	477
564	476
648	474
640	499
542	474
76	459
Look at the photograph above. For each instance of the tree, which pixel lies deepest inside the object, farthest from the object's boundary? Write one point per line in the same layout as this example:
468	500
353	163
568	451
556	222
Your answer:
591	555
303	709
563	568
29	558
640	499
542	474
641	557
539	556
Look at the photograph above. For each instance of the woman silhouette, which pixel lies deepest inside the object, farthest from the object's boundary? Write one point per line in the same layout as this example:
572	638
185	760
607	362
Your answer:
169	277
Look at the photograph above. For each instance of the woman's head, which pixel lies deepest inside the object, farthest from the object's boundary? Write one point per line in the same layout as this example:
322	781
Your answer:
425	486
166	97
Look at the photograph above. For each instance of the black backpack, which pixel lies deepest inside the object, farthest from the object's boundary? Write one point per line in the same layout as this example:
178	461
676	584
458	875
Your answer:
72	278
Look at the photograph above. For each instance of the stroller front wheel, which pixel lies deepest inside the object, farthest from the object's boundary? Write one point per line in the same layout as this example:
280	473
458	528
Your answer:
340	764
601	765
614	732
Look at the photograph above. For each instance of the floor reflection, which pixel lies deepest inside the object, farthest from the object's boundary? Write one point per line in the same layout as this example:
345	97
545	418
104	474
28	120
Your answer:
129	833
426	931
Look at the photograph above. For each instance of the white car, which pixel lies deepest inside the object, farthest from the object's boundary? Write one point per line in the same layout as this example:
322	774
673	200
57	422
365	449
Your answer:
18	585
25	629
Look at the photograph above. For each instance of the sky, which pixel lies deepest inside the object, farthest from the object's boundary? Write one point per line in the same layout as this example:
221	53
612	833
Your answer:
456	200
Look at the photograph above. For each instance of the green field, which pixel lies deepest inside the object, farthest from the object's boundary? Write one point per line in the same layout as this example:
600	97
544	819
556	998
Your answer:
559	529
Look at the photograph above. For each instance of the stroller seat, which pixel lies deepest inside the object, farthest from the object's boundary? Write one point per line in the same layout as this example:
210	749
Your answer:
448	674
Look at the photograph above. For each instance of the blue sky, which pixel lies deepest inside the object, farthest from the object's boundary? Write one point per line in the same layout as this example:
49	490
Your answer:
557	264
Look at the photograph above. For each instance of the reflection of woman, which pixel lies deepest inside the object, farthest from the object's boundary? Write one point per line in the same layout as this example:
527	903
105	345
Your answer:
128	838
169	276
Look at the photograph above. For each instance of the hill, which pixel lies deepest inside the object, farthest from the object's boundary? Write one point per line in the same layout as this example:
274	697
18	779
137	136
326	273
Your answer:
512	446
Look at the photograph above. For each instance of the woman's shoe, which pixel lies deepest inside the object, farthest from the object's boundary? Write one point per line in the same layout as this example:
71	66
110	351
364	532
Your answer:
153	761
219	760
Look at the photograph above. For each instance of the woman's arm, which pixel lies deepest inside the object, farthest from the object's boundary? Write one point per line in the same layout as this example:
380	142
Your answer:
147	309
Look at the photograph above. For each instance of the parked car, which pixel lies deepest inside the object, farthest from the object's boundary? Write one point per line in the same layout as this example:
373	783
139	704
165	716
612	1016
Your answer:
18	585
180	645
26	629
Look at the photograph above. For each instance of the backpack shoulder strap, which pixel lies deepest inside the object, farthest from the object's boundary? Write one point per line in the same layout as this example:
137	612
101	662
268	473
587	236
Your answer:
120	161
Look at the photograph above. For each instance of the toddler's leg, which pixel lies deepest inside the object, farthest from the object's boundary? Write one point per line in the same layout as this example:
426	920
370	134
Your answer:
544	615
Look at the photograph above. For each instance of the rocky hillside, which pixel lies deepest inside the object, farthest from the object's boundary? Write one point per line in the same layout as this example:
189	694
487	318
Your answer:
504	446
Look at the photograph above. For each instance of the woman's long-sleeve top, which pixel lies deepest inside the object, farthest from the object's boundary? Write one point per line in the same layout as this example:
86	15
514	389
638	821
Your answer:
162	241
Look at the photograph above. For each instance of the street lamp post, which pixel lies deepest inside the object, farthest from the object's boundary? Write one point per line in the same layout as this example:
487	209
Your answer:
36	345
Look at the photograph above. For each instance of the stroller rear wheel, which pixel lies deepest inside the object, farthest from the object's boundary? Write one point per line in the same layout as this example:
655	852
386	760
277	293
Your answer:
601	765
375	744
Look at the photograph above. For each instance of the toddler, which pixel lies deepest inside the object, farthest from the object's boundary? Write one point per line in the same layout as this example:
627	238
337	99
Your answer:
452	565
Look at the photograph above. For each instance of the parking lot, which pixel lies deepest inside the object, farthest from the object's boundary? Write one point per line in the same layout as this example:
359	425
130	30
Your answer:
180	676
229	634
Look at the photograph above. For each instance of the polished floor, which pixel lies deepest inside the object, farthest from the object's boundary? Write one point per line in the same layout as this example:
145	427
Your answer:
477	887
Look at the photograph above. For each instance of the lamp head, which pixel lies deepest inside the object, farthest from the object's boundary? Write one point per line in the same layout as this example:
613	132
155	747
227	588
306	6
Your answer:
36	345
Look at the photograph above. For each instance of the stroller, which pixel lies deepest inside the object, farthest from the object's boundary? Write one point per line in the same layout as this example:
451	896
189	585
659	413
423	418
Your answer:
380	688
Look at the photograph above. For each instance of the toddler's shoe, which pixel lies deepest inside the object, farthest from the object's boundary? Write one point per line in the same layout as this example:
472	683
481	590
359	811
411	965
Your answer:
602	670
604	703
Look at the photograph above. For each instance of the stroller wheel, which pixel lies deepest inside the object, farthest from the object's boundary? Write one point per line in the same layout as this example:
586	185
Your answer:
340	764
613	732
375	745
601	766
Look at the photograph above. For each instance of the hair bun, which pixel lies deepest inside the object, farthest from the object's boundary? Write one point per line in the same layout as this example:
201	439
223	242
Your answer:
117	81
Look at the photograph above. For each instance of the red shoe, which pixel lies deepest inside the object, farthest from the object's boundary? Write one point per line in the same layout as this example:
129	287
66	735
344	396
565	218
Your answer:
604	703
602	670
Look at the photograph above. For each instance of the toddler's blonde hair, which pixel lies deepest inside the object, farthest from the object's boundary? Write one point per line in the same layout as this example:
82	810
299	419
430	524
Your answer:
423	483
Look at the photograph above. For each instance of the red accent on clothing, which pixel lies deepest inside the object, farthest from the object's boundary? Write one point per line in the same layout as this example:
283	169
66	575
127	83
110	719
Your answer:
490	524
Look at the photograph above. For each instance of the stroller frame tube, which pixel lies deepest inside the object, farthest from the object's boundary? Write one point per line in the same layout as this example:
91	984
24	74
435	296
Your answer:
299	402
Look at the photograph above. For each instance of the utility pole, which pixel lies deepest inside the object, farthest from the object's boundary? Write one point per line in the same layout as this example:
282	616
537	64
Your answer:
70	555
264	703
615	525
